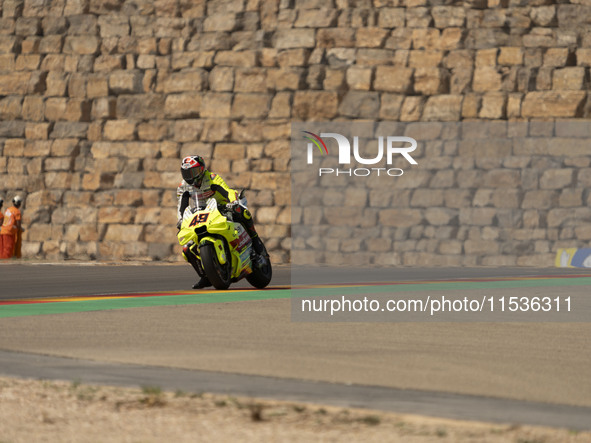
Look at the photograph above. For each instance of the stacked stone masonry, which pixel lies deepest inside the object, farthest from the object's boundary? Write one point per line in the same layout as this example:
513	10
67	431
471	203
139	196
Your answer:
100	99
484	193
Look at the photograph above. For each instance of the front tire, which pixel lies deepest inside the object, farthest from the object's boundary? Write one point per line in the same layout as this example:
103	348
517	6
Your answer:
219	275
261	273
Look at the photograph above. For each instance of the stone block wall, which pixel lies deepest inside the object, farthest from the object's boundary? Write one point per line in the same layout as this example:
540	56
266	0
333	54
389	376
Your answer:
100	99
484	193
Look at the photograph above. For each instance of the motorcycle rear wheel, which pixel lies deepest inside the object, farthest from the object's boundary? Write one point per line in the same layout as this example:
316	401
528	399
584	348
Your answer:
219	275
261	276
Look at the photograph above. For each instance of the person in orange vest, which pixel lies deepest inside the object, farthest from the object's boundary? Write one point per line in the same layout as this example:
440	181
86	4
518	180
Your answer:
11	228
1	221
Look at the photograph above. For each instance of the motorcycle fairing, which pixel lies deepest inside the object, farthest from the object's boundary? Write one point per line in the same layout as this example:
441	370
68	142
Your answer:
212	226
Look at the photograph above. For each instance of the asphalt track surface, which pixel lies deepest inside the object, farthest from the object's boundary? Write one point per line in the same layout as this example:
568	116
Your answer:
531	373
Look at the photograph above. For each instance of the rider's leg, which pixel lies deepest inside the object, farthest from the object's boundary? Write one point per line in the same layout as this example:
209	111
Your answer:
245	218
204	281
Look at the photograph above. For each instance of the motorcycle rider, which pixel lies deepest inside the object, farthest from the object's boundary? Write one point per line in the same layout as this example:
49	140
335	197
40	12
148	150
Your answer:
198	185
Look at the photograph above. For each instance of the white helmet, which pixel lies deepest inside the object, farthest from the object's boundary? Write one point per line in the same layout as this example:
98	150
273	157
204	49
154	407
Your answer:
17	200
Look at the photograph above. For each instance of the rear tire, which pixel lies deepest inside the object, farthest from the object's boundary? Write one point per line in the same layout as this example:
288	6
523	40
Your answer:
219	275
261	276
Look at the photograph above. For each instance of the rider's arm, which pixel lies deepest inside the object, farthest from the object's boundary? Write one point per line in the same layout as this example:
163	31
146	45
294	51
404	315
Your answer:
223	193
182	196
184	203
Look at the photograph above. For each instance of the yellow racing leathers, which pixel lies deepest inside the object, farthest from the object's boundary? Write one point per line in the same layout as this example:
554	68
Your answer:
212	185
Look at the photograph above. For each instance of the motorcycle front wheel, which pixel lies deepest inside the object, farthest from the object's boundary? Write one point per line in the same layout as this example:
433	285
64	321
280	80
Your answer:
219	275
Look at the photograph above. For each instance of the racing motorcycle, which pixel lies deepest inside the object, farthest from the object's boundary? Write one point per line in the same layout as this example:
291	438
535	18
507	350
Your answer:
220	248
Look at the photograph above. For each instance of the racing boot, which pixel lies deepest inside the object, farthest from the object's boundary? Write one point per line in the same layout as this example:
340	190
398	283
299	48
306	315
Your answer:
203	283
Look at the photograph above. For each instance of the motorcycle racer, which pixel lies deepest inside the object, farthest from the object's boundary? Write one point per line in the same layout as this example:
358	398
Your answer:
199	184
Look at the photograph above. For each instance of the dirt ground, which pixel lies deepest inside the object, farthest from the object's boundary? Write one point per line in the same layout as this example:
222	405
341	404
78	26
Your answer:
49	411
